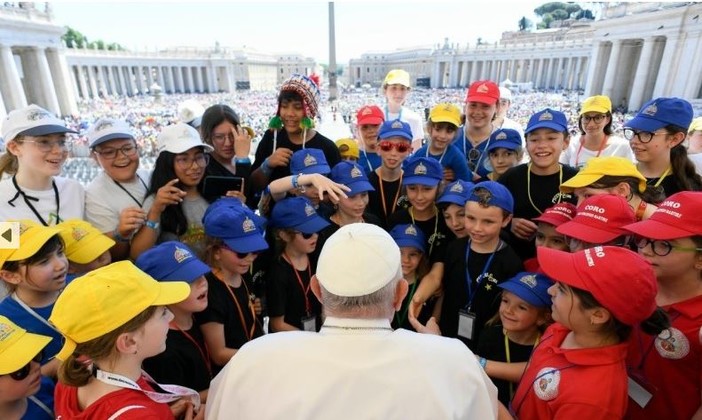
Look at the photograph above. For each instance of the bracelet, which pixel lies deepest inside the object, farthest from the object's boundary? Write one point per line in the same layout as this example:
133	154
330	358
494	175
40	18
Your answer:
152	225
483	362
294	181
119	238
242	160
266	169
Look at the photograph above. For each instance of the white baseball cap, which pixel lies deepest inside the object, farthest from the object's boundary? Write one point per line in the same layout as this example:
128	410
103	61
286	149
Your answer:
357	260
32	120
190	112
106	129
179	138
505	93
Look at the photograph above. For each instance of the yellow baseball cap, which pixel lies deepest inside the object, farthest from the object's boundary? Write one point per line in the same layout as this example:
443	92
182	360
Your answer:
17	346
32	237
397	77
598	167
84	242
597	103
107	298
695	125
445	112
348	148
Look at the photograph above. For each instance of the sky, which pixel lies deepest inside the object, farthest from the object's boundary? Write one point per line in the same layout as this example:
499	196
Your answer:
294	27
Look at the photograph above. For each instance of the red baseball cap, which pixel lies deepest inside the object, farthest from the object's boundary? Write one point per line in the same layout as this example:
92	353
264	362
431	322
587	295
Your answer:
483	91
621	280
601	218
679	216
370	114
558	214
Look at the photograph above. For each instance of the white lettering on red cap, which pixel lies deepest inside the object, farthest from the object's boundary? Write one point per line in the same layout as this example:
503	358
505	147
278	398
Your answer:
595	209
670	203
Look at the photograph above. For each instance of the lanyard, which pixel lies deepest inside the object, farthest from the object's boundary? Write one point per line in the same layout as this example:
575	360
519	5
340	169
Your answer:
387	113
580	148
248	332
382	193
370	167
139	203
401	315
41	405
665	174
480	278
305	291
442	153
508	359
31	312
204	353
482	152
174	392
560	181
432	238
27	200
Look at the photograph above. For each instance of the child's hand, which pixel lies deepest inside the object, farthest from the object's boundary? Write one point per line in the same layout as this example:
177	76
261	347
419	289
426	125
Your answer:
281	157
242	142
168	195
449	175
430	328
523	228
257	306
130	220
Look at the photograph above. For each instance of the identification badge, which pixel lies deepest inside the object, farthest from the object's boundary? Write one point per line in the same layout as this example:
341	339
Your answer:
466	322
638	393
309	323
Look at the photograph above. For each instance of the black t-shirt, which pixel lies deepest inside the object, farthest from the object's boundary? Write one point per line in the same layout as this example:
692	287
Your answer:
222	309
183	362
532	195
491	346
286	297
486	299
392	199
435	231
668	185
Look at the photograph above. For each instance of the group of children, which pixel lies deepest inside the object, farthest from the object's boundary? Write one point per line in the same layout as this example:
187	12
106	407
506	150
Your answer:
563	280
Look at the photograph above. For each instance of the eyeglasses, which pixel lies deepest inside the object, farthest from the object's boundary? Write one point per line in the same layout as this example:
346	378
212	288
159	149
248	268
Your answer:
46	146
222	137
596	118
644	136
129	150
185	162
240	255
662	248
305	235
387	146
21	373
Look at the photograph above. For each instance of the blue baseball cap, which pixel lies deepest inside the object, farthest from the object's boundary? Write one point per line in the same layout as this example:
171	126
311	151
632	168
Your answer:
351	175
259	221
499	195
548	118
395	128
236	227
423	171
660	112
530	287
297	213
309	161
171	261
409	236
505	138
456	193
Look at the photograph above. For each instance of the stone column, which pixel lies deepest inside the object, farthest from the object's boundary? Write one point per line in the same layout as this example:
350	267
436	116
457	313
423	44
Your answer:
102	88
3	110
65	89
539	72
149	78
161	80
577	81
612	68
549	72
169	79
10	82
180	86
39	81
92	81
641	75
671	45
139	77
212	80
189	79
128	80
199	86
123	86
114	90
695	76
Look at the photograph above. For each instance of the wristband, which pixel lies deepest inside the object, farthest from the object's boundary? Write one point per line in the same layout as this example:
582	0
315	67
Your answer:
119	238
294	180
242	160
483	362
266	169
152	225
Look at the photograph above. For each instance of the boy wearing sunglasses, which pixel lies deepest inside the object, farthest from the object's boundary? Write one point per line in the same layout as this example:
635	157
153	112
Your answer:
394	146
24	393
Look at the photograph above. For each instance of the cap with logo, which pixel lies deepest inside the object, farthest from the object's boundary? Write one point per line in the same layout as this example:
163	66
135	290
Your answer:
445	112
600	219
530	287
483	91
504	138
395	128
598	167
410	236
557	214
548	118
679	216
348	148
661	112
351	175
456	193
171	261
422	170
499	195
18	346
397	77
179	138
597	103
83	242
32	236
297	213
309	161
370	115
106	129
32	120
236	226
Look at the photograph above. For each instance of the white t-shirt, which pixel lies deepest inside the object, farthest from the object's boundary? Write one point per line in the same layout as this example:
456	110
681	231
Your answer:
71	202
616	146
105	200
415	121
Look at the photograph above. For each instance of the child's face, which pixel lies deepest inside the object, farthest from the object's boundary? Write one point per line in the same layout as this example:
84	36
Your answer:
410	259
43	155
355	205
151	336
222	139
301	244
230	260
479	115
104	259
442	135
502	159
566	308
517	315
12	390
197	299
695	142
396	94
455	218
587	192
547	236
47	275
484	223
658	148
369	135
390	156
677	264
123	166
421	197
545	146
189	167
292	113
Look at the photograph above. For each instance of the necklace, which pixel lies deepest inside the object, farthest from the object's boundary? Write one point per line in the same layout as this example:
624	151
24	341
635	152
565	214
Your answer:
27	200
560	181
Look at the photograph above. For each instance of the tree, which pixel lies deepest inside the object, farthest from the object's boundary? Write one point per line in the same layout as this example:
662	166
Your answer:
524	24
558	11
74	39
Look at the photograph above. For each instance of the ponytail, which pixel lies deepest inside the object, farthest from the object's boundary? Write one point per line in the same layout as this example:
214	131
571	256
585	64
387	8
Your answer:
8	164
684	173
656	323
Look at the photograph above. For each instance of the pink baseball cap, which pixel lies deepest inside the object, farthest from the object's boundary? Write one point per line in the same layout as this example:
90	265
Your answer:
558	214
679	216
621	280
601	218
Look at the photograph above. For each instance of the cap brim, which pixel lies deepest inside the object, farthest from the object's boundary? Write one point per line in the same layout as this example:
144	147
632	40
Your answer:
420	180
316	169
654	229
248	243
371	121
579	181
587	233
524	293
549	125
313	225
452	199
644	124
359	187
44	130
551	220
503	145
488	100
113	136
600	109
389	134
410	244
91	250
31	245
172	292
446	120
176	148
559	266
22	352
188	272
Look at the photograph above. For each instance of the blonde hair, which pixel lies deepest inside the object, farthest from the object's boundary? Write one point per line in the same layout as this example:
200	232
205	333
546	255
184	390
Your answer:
8	161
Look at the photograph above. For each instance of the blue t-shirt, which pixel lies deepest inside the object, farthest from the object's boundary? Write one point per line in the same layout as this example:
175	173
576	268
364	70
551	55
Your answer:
452	159
45	395
477	162
10	308
369	161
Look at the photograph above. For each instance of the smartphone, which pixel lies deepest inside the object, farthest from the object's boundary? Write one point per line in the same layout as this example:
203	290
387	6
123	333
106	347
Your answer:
218	186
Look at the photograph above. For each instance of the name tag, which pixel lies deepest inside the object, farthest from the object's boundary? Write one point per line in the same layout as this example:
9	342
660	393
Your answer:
309	323
638	393
466	323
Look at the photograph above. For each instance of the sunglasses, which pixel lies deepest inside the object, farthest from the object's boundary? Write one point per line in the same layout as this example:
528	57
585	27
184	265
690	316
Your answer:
304	235
23	372
240	255
387	146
